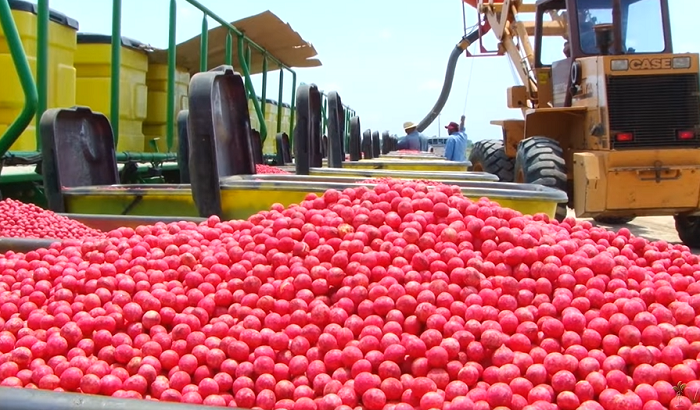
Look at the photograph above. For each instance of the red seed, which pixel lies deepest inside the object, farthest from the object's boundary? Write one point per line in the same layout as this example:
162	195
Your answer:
20	220
267	169
401	296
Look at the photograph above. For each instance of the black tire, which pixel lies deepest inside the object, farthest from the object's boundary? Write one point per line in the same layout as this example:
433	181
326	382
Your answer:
540	161
614	220
688	228
490	156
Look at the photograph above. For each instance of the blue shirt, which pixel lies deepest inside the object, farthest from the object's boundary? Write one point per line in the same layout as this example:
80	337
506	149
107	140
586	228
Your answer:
424	145
412	141
456	147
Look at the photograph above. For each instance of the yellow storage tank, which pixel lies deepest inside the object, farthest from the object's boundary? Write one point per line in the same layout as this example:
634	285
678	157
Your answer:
61	73
271	109
156	122
254	123
286	117
93	64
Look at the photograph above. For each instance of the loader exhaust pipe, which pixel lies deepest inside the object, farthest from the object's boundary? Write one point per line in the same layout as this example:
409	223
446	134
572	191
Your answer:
449	78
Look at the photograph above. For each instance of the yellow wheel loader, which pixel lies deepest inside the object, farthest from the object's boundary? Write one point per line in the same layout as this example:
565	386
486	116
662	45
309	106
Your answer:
614	120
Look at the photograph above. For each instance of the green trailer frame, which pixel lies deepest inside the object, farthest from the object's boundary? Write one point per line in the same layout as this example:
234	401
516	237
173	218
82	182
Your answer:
24	183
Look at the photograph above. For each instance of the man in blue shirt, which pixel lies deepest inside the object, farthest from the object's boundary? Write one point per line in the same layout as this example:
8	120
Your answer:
456	147
413	140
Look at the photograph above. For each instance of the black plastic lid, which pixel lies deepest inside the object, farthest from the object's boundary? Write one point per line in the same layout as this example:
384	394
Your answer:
286	105
55	16
78	150
220	142
355	139
270	101
256	142
94	38
367	145
284	155
376	145
386	143
307	131
336	130
315	123
183	148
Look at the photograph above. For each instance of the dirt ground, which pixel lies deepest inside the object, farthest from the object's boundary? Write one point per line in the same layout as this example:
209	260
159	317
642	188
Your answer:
654	228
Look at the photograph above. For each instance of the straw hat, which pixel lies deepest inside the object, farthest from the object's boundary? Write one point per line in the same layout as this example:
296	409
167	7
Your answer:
408	125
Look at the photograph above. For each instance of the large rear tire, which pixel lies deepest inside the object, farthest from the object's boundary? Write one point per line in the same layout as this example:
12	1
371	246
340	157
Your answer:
688	228
540	161
490	156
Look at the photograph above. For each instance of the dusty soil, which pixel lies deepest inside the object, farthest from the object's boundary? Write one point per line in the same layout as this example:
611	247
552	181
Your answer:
654	228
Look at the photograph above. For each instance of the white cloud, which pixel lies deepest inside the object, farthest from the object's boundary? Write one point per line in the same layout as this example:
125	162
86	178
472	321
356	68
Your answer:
431	85
685	47
187	12
331	87
385	34
371	117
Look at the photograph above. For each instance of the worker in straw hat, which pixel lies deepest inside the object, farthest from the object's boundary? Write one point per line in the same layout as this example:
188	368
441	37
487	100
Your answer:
413	140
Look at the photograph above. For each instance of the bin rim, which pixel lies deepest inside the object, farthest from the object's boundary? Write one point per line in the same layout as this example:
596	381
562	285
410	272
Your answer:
97	38
130	189
408	161
480	189
55	16
388	173
348	179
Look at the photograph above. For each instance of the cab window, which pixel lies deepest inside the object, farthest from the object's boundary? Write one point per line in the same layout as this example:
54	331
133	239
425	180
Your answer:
642	25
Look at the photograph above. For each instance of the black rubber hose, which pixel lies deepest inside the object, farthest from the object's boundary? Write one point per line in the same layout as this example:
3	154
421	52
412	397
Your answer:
449	77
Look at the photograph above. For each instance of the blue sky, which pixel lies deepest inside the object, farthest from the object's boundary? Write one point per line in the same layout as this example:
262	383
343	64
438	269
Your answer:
386	58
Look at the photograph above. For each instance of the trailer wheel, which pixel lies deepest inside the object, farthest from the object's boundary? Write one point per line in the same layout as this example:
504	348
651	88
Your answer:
614	220
688	228
490	156
540	160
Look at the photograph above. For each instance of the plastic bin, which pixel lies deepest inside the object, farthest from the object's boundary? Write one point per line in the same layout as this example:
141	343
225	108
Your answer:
381	173
271	109
61	88
353	179
77	150
254	122
409	165
93	64
156	122
31	399
219	135
243	198
286	117
142	200
418	156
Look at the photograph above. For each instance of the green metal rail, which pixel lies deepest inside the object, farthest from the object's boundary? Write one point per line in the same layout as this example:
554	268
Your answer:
349	113
36	92
245	46
25	77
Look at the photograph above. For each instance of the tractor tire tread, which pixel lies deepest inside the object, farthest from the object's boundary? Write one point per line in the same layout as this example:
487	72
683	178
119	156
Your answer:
492	158
688	229
614	220
541	161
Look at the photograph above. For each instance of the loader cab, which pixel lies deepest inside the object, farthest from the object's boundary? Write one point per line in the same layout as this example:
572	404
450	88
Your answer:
594	28
633	26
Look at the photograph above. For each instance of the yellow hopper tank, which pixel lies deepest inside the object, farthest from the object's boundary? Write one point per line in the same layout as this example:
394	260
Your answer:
61	73
93	62
155	124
